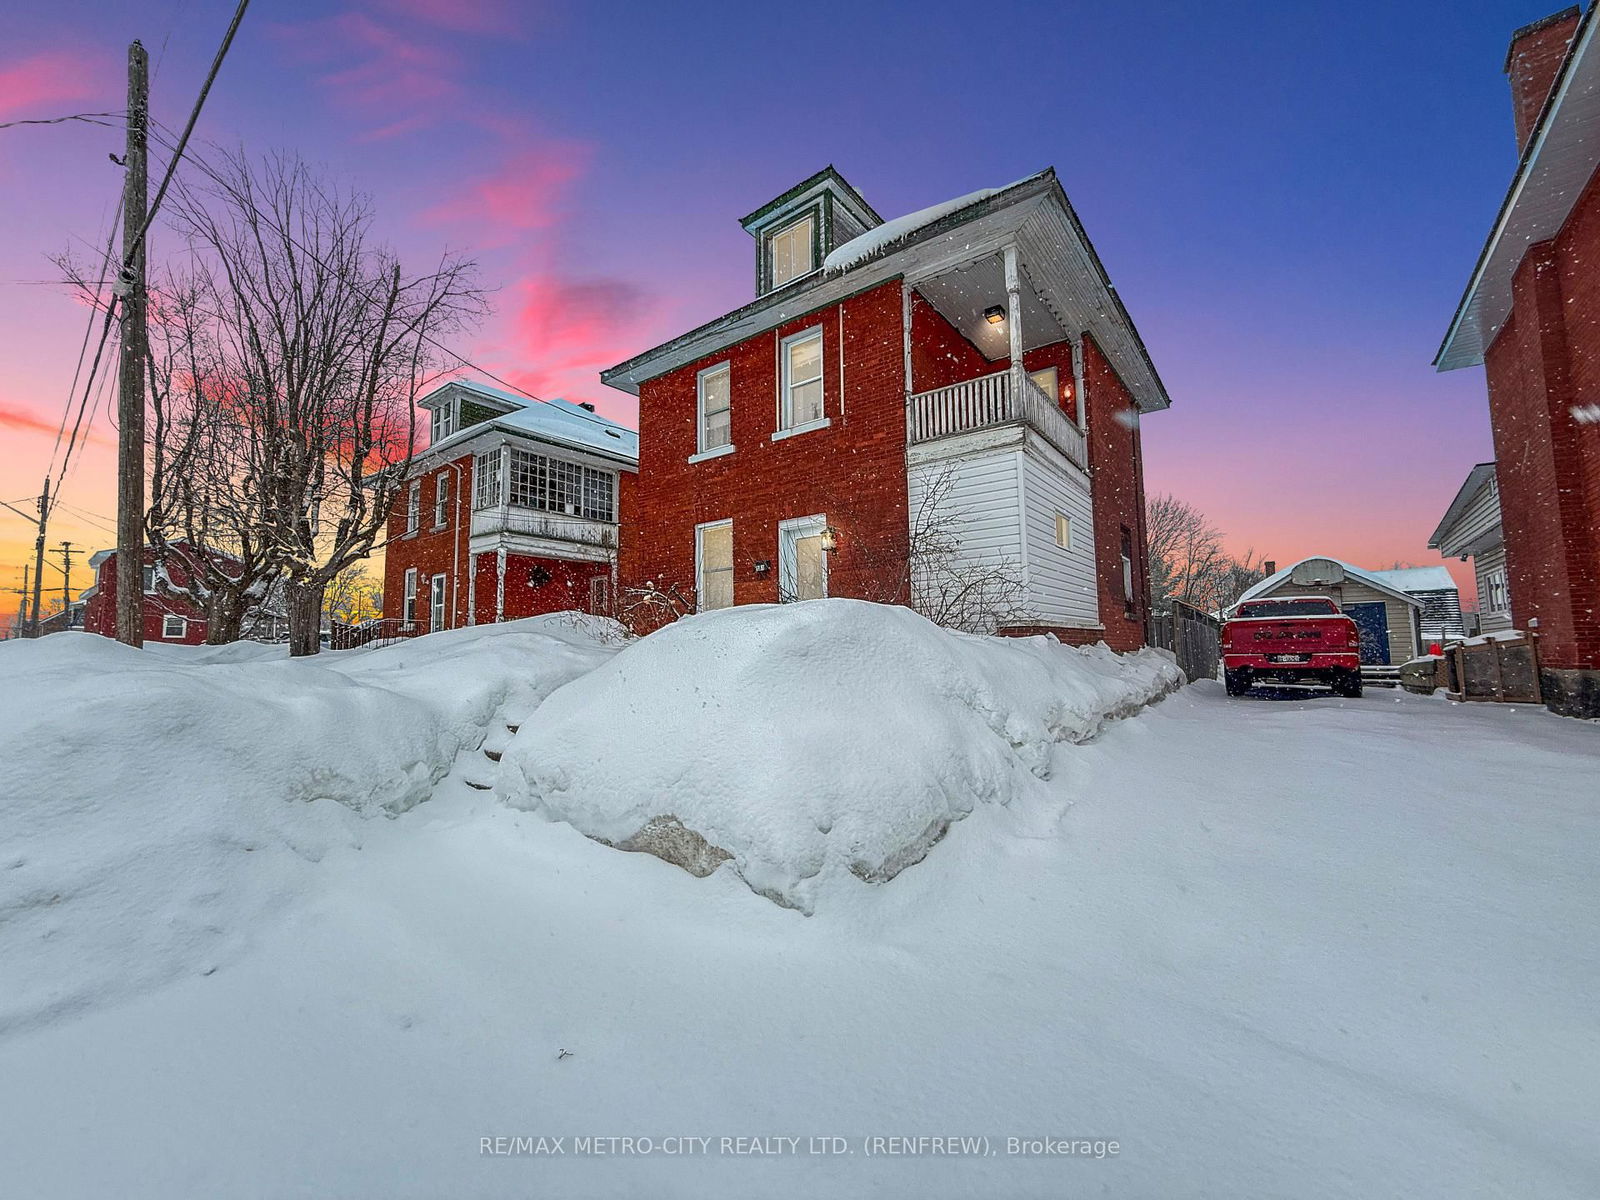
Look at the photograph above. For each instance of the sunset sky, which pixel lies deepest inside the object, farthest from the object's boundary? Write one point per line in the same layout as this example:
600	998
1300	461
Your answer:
1288	196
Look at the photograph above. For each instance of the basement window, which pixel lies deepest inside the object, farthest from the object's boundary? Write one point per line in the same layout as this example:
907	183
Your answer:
173	626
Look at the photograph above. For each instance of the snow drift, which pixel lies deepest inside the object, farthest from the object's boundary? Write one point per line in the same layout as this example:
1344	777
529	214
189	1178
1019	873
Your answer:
156	802
804	744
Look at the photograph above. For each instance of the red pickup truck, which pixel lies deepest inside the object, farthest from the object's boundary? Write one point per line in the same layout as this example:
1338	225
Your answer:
1291	639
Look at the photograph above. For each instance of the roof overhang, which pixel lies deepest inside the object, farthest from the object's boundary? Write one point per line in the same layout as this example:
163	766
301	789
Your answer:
1477	479
1064	271
1560	159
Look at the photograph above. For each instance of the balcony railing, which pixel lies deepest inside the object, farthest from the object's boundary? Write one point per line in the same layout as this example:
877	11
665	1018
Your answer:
988	401
533	522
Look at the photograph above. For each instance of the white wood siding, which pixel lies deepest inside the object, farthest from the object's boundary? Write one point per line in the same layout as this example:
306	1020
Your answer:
1061	583
1482	564
1402	616
984	500
1477	522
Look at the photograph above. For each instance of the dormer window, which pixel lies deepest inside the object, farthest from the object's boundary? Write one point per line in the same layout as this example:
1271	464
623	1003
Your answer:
791	251
444	423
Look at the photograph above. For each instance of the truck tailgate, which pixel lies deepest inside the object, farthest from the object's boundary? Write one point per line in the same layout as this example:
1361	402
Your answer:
1289	635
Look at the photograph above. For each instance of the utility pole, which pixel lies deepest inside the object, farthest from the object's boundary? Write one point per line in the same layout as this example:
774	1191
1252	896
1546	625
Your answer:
38	556
66	581
20	629
130	392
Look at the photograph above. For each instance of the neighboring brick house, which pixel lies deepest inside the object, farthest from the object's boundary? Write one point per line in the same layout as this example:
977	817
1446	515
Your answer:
1531	317
168	616
511	511
971	360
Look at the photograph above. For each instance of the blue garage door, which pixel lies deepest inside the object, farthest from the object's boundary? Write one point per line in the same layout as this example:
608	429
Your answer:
1372	621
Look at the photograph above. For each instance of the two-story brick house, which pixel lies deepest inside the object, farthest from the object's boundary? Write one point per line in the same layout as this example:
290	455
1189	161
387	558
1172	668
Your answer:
1531	317
511	511
972	357
168	614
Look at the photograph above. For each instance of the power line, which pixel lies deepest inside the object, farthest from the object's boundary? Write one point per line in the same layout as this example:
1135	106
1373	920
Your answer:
88	331
87	118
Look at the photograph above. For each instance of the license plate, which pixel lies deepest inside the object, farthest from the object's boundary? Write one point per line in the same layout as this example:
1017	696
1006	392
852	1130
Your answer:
1288	658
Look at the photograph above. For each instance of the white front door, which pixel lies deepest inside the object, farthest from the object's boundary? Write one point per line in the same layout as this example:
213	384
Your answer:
436	605
802	562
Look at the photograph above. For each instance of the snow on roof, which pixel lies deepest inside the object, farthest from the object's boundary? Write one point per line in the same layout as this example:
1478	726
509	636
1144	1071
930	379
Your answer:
558	421
1418	579
1371	578
875	239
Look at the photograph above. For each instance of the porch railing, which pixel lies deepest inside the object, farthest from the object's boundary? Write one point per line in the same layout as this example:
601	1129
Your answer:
534	522
988	401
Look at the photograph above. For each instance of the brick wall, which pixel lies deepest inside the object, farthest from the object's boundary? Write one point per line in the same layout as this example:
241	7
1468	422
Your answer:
1542	364
853	471
431	550
1116	462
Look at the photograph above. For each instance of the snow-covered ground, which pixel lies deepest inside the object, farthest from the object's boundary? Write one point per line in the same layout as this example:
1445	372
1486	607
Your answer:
1305	947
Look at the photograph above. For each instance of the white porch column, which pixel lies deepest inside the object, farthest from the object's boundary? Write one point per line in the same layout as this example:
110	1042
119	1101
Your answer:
472	588
500	585
1014	324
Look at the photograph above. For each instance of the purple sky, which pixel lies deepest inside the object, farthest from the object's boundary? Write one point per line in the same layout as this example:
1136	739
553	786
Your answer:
1288	196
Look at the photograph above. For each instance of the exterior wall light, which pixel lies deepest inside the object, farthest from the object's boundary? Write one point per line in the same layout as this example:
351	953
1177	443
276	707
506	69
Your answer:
762	566
995	315
830	539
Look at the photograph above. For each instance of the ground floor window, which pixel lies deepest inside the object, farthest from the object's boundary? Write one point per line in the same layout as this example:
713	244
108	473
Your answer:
1127	570
713	554
1496	598
802	561
173	626
436	604
408	604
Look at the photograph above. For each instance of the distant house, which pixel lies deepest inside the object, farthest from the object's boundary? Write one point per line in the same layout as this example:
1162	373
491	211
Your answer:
511	511
968	367
1530	316
1390	618
1470	529
169	616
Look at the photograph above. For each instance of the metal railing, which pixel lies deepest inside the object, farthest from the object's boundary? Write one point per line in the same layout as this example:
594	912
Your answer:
988	401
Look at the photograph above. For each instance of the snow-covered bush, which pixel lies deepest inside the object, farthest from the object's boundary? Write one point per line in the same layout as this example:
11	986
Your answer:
805	744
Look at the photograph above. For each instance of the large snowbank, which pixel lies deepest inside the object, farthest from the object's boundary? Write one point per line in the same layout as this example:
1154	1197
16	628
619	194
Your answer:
154	802
807	743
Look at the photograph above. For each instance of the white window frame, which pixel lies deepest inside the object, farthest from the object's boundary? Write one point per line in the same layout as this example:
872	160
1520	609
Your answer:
786	425
166	627
414	507
808	219
441	499
702	450
700	559
1492	581
438	590
1064	530
496	474
147	580
408	598
789	534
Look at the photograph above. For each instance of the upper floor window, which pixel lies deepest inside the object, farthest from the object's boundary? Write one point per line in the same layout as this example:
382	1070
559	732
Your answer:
802	379
1064	531
414	506
1496	598
556	486
443	423
790	251
149	581
486	480
714	403
441	498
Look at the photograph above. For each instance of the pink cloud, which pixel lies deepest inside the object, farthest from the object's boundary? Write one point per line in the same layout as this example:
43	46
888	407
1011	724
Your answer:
372	67
524	195
51	78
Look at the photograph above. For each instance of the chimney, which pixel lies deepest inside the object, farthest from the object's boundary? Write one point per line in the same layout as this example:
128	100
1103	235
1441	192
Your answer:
1269	567
1533	62
585	405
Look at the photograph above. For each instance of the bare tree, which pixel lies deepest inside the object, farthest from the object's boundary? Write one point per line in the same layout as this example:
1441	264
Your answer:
950	588
321	346
1188	562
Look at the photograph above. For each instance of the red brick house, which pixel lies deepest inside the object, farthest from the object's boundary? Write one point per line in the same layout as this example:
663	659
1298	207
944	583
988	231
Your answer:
1531	317
168	616
511	511
971	360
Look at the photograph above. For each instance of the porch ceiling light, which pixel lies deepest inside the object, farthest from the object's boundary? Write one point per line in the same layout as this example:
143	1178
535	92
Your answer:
995	315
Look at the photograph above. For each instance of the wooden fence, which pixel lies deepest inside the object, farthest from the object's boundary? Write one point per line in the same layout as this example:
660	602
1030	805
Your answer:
1502	669
1192	635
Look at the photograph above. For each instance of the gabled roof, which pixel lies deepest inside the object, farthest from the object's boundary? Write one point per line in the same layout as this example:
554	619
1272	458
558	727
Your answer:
1477	479
884	258
1562	155
1416	580
555	421
1372	579
826	175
